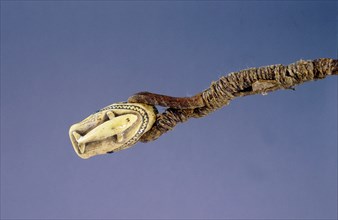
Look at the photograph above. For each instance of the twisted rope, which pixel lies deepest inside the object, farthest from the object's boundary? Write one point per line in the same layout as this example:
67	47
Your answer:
237	84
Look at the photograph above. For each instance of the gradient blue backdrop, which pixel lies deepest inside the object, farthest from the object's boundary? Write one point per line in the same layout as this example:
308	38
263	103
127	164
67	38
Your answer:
271	156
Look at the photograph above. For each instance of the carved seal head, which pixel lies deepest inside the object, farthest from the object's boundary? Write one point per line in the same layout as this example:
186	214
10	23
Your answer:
111	129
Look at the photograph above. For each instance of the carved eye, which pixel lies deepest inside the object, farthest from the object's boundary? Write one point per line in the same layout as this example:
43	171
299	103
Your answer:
110	152
128	120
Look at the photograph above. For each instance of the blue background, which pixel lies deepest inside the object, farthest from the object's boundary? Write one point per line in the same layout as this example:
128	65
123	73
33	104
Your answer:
271	156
